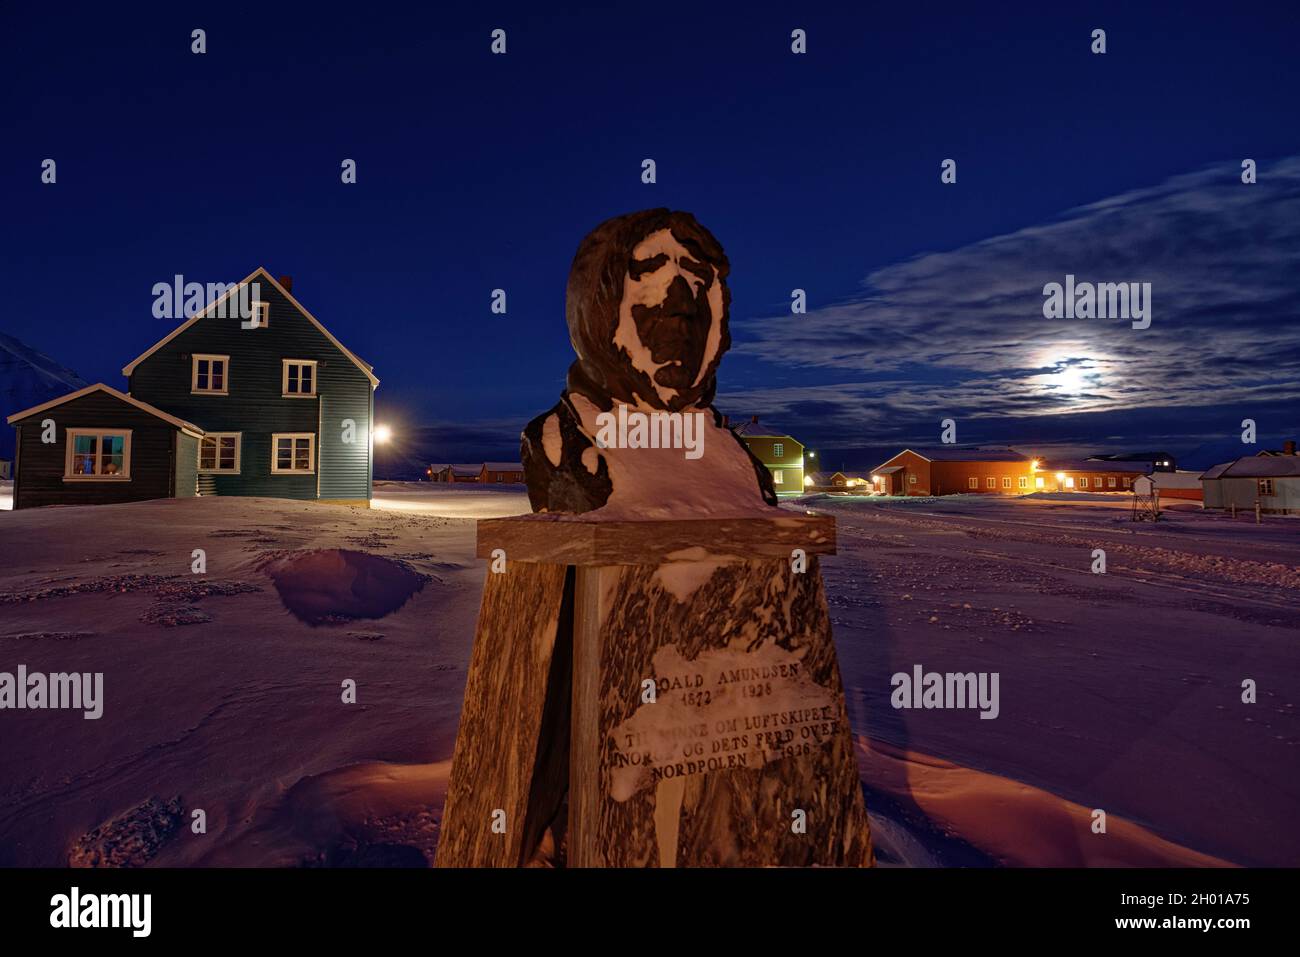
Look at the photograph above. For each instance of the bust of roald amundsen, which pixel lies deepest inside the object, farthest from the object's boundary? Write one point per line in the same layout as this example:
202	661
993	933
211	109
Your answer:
635	434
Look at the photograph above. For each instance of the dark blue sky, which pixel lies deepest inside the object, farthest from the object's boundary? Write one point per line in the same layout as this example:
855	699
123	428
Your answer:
820	171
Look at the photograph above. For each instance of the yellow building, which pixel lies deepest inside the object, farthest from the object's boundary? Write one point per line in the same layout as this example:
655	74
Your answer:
781	453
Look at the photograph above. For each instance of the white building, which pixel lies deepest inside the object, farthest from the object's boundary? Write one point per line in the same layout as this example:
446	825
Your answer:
1273	480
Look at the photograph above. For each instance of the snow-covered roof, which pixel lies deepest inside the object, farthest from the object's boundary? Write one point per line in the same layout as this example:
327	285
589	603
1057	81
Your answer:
764	429
1096	465
181	424
466	468
945	453
1255	466
504	466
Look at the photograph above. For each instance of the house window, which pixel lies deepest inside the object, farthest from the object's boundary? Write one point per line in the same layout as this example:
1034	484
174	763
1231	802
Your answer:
1265	486
911	479
1083	481
298	377
261	317
1023	481
1006	481
219	452
293	453
1099	481
777	478
1069	481
209	374
778	450
98	455
1110	481
972	482
1128	482
1038	482
992	482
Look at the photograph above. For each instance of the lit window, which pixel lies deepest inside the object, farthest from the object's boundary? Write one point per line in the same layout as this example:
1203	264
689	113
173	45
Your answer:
293	453
972	482
219	452
1128	482
1110	481
1069	481
298	377
778	450
98	455
777	478
1023	481
1038	482
911	479
208	374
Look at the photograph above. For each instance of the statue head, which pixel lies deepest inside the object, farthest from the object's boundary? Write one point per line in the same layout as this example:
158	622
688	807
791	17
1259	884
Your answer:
647	306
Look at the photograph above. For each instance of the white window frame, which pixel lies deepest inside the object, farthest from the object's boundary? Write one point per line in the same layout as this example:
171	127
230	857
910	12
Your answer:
284	378
1006	481
778	450
239	446
1110	481
69	436
1083	481
1264	487
1069	481
1023	481
992	483
1039	482
911	478
264	320
275	444
973	482
777	477
194	374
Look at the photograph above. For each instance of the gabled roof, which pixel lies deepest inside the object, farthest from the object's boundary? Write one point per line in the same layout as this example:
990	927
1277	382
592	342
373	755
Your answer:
1254	466
181	424
753	430
504	466
950	454
259	272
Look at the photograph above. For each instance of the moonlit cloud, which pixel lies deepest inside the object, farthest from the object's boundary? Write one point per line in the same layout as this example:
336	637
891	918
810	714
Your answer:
962	332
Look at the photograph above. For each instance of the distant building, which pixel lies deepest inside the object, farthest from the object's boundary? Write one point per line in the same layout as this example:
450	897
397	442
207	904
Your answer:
781	453
1158	461
502	473
483	473
1271	479
949	470
1090	475
835	482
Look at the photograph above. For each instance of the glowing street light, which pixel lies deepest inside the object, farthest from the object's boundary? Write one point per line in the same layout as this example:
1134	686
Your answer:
382	434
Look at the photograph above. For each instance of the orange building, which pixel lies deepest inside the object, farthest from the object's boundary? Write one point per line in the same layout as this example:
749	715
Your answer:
948	471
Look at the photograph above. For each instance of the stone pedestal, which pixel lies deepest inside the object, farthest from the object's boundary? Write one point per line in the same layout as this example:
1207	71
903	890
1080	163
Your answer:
654	693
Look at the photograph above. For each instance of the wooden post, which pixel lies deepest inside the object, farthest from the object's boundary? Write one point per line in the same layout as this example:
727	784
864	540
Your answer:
705	722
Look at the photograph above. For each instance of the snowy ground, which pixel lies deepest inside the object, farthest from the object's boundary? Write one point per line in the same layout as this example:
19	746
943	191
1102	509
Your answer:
1118	691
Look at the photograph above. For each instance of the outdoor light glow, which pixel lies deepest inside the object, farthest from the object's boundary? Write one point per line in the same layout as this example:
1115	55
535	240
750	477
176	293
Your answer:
807	480
383	433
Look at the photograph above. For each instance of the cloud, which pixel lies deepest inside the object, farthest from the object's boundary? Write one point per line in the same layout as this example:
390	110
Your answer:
962	333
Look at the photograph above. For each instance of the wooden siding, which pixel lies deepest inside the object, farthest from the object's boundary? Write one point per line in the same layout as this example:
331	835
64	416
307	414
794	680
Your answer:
187	466
255	406
152	449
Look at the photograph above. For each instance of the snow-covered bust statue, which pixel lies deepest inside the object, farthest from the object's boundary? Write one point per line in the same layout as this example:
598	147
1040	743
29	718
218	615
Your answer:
635	434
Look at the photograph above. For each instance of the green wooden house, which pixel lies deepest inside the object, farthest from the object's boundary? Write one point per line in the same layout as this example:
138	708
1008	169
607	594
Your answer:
272	404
